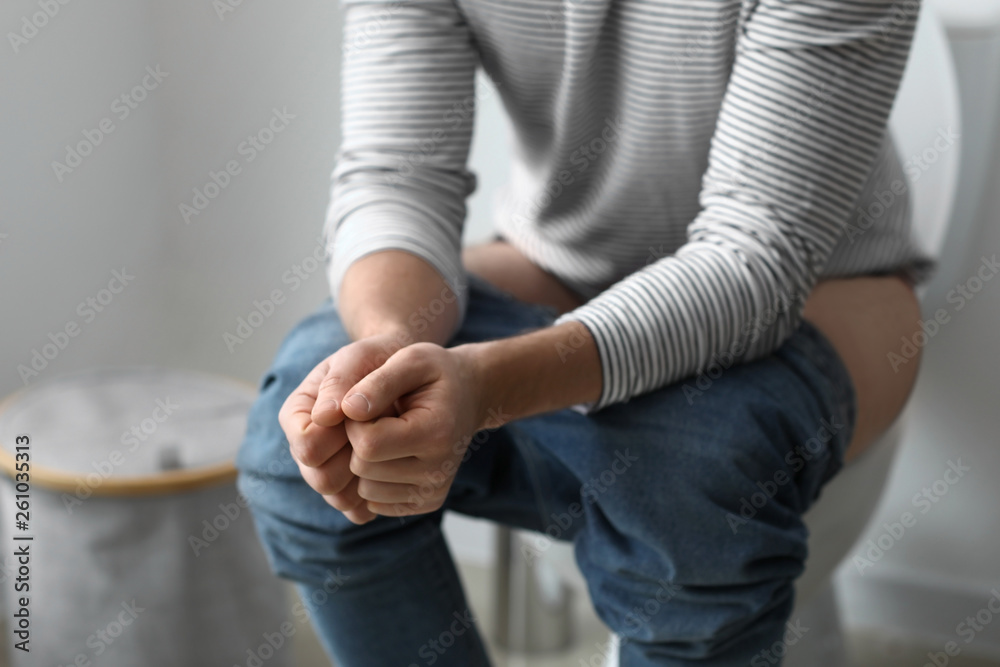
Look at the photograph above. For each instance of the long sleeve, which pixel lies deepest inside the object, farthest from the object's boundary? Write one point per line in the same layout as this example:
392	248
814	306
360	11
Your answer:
401	180
803	116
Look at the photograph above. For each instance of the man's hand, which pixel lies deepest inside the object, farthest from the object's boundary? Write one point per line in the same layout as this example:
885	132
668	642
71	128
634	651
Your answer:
380	431
407	463
388	300
313	421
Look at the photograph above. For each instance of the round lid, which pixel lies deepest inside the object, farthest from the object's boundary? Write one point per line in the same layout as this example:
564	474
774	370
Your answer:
127	431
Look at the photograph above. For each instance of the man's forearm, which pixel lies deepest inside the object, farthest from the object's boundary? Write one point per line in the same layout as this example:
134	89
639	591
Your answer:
395	292
545	370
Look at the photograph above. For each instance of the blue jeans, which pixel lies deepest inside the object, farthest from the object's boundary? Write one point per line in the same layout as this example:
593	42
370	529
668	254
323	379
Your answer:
684	506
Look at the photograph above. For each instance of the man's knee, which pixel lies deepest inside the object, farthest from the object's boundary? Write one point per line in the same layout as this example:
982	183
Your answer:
712	500
757	447
304	538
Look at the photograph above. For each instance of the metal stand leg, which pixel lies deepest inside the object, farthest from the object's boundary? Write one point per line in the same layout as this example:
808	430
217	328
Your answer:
533	602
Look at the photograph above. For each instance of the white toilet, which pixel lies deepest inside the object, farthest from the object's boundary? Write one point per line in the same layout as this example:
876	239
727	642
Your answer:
928	103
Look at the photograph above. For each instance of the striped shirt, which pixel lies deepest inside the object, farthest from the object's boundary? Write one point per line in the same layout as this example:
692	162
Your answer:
690	168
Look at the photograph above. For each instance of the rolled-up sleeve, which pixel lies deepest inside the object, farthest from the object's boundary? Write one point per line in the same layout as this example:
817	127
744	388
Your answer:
804	114
408	97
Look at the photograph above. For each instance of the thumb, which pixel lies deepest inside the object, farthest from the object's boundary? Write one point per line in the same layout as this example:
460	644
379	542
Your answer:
404	372
345	367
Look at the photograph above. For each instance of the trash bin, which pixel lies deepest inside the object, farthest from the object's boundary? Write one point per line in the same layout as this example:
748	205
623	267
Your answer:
134	543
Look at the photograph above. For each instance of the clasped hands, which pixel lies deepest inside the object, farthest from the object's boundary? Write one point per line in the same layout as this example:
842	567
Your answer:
384	435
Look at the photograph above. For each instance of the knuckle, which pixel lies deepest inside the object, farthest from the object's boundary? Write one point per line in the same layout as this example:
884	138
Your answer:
381	381
423	355
307	453
334	381
411	351
326	481
366	489
366	448
356	359
422	349
360	467
310	449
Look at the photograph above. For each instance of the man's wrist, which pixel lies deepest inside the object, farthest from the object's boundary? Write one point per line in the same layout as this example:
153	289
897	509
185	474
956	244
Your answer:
533	373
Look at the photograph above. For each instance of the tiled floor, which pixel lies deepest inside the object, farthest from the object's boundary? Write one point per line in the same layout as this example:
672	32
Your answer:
867	649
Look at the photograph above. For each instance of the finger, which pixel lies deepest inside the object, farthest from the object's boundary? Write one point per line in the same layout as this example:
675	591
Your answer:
331	477
296	412
310	444
409	470
346	500
345	368
402	373
390	438
422	506
357	511
360	515
386	492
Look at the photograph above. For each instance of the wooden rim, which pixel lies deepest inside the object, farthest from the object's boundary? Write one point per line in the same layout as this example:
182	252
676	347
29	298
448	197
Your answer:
161	483
169	481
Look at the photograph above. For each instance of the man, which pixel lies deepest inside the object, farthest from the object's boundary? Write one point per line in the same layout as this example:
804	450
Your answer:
693	291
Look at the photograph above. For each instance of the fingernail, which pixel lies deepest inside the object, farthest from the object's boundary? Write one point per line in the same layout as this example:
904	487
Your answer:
328	404
358	402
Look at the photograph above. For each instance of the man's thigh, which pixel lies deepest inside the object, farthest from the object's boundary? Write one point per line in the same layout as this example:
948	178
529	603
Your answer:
687	515
730	462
